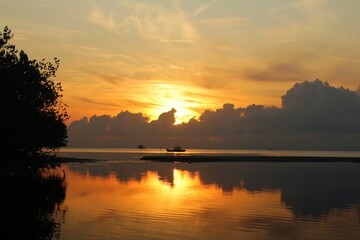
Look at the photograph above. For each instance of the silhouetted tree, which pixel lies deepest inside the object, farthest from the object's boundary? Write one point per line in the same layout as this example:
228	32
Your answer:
32	113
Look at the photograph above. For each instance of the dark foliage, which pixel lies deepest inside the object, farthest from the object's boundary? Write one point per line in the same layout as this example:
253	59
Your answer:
32	113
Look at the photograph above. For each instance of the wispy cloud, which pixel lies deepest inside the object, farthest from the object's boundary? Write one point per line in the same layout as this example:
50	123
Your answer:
92	101
309	3
168	25
225	21
204	6
99	17
297	18
156	22
279	71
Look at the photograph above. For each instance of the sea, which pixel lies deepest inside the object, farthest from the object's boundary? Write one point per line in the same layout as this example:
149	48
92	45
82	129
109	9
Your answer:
123	197
134	154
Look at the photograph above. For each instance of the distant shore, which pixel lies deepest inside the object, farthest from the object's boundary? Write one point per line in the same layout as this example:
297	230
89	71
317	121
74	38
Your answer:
218	158
59	160
247	158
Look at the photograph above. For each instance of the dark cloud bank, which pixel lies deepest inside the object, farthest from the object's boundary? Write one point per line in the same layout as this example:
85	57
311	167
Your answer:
313	116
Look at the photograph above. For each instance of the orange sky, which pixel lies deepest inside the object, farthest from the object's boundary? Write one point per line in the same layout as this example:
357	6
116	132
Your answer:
151	56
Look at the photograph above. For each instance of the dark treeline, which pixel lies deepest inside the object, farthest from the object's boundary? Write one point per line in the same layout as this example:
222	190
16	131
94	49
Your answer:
32	113
31	125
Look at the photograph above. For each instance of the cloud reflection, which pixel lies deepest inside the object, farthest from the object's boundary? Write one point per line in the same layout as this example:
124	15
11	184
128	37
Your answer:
305	189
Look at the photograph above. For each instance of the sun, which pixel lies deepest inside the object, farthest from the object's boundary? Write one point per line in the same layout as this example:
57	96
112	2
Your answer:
168	97
183	110
183	115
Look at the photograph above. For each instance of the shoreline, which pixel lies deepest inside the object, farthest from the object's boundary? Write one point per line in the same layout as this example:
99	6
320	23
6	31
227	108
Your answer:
247	158
216	158
60	160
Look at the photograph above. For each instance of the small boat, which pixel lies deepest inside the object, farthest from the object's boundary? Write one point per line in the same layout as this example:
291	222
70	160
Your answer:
175	149
140	147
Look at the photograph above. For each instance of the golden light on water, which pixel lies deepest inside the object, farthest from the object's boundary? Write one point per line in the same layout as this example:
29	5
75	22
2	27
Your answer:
126	201
184	180
184	194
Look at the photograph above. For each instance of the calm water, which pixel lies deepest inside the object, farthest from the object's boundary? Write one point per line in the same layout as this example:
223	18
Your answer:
130	154
148	200
125	198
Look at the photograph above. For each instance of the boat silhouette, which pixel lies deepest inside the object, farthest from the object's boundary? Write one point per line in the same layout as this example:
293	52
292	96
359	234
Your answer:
176	149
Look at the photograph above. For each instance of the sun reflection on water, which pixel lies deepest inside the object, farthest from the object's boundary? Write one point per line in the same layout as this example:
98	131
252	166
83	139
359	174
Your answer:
176	204
185	181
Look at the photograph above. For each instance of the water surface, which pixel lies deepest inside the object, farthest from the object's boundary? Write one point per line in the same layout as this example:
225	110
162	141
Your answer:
131	154
147	200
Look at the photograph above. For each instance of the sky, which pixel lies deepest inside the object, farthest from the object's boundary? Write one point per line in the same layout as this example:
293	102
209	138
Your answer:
155	55
147	57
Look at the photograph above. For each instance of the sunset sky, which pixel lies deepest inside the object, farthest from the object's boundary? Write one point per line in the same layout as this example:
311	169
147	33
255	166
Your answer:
191	55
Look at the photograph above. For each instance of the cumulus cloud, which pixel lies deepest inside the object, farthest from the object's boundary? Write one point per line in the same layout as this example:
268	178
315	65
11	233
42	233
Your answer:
314	115
321	108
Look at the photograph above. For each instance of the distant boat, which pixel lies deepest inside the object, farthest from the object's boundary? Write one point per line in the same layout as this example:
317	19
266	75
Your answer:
140	147
175	149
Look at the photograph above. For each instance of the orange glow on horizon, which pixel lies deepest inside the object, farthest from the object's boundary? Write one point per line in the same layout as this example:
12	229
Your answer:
172	96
